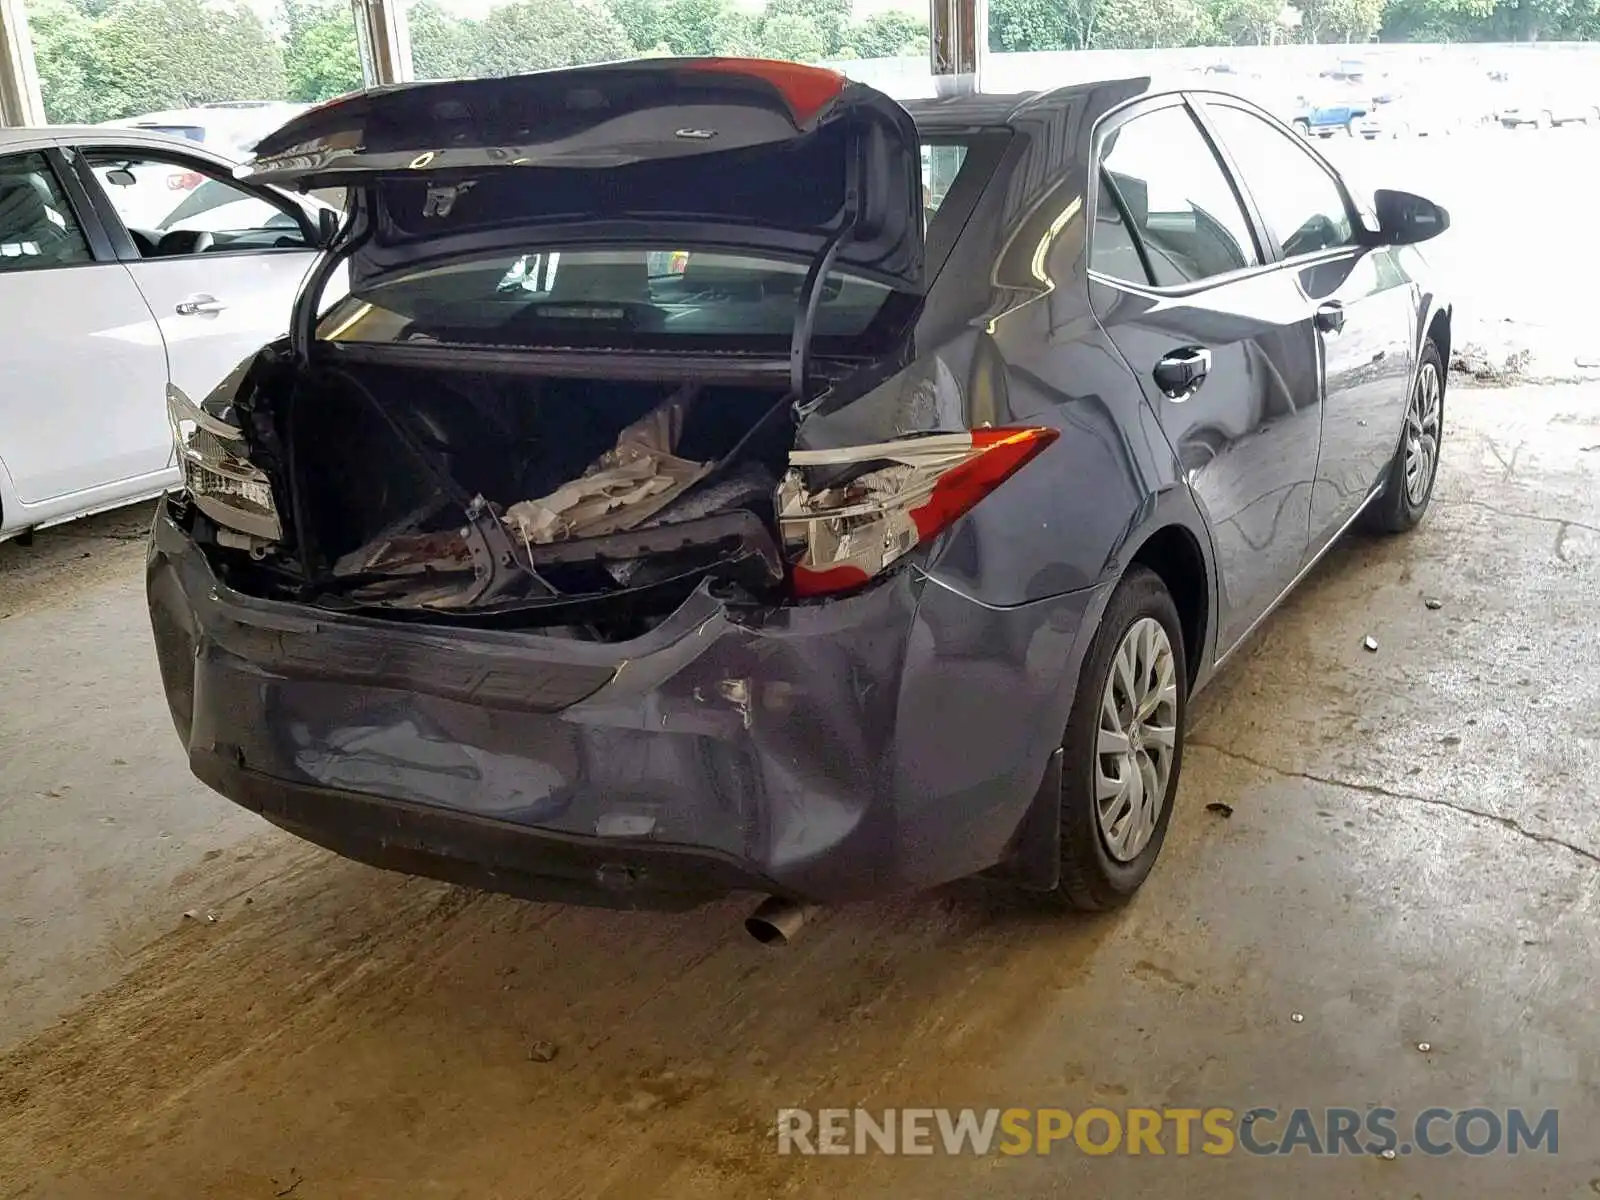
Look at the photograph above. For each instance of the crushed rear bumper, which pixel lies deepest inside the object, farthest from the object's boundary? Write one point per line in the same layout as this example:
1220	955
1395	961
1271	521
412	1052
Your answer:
886	741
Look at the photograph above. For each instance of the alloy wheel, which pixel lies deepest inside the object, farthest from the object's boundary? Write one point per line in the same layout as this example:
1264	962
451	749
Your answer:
1137	739
1422	435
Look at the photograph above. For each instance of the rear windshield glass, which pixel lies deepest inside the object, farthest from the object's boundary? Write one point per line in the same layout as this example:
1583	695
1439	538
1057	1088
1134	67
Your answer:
579	296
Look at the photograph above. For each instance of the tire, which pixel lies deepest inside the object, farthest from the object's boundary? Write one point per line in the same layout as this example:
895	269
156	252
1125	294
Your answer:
1093	877
1303	128
1401	507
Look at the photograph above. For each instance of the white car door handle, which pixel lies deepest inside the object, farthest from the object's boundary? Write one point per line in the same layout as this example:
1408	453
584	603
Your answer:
197	305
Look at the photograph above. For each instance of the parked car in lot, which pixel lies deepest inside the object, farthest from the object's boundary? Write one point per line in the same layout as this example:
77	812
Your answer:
841	554
1417	115
1546	106
1342	116
116	283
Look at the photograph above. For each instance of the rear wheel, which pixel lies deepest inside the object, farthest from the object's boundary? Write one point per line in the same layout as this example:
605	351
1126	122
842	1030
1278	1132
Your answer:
1123	746
1303	128
1415	466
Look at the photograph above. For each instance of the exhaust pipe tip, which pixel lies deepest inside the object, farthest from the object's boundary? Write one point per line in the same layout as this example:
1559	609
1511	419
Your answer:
777	921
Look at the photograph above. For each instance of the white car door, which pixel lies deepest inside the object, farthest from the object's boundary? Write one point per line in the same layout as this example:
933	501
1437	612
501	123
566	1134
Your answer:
218	262
82	369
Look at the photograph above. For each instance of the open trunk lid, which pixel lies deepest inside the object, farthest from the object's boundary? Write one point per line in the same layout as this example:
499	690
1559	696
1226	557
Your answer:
745	154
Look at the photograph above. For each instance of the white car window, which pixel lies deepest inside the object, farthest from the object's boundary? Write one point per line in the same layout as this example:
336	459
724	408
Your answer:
155	198
37	226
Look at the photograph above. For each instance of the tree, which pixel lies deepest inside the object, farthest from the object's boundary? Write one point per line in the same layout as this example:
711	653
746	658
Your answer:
831	19
791	37
536	35
887	35
441	44
177	53
1147	24
640	20
1247	22
1340	20
1043	24
700	26
320	58
71	74
1018	25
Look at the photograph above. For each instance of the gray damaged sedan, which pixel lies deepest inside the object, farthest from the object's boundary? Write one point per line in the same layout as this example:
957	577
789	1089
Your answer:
717	476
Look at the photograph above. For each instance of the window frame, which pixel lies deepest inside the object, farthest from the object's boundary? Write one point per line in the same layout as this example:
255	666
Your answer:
1205	101
77	203
1265	248
125	248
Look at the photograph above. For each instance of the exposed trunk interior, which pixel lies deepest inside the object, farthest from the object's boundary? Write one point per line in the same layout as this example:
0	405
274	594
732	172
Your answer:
548	501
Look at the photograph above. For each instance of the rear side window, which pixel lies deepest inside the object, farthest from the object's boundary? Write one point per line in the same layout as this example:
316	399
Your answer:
1174	201
37	225
1301	205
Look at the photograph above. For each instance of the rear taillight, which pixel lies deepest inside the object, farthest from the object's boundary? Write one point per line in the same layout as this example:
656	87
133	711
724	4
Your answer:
847	514
217	471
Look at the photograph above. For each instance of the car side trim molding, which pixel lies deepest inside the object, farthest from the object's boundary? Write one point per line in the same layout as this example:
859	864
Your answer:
1299	575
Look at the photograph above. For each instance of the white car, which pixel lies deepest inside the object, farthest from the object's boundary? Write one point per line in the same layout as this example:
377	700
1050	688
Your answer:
129	262
231	128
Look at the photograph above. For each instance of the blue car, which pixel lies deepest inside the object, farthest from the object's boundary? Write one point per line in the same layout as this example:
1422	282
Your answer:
671	508
1325	120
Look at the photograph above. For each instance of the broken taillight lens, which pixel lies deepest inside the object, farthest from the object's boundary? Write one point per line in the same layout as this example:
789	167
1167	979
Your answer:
847	514
217	471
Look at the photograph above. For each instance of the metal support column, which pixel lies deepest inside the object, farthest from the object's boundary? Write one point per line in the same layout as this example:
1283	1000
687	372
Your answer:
384	41
960	39
20	103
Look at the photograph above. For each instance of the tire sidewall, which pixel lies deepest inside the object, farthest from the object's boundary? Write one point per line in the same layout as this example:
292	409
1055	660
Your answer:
1140	594
1412	513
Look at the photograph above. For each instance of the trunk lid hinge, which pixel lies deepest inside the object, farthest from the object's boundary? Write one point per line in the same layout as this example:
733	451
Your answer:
811	290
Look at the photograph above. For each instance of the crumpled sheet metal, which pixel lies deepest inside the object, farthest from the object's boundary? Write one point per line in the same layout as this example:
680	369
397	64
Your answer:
624	487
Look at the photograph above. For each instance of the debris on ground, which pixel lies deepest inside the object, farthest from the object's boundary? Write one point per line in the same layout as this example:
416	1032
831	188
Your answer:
194	914
1434	603
1370	642
1424	1046
1297	1018
1473	359
1221	809
543	1052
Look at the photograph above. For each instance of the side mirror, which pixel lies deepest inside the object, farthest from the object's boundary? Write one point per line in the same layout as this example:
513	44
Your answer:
1405	219
327	227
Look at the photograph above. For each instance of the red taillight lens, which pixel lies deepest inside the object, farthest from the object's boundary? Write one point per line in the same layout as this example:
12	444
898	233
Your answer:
839	535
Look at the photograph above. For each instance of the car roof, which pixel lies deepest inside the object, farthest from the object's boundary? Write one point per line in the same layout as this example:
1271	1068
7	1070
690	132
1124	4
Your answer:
118	135
969	109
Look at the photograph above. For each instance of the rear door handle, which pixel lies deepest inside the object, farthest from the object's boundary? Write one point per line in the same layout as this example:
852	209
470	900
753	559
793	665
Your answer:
199	305
1330	317
1180	374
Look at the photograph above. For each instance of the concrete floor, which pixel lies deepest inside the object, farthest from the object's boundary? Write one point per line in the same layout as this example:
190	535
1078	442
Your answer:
1411	858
